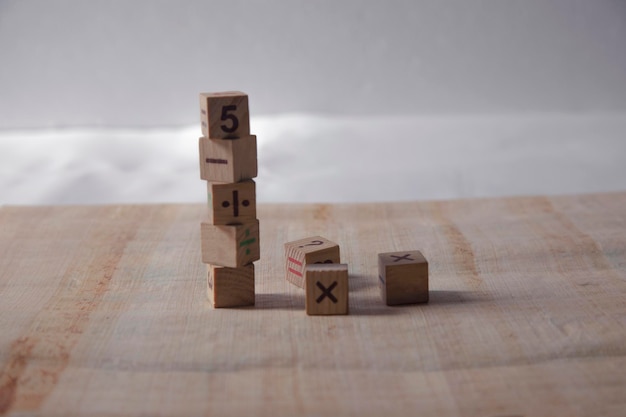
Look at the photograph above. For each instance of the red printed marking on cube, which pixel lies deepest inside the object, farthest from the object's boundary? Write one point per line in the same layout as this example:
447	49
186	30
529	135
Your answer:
295	261
293	271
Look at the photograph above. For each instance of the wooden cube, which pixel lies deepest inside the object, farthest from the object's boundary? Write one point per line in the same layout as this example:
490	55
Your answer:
231	203
311	250
403	277
224	115
223	160
230	287
232	245
326	289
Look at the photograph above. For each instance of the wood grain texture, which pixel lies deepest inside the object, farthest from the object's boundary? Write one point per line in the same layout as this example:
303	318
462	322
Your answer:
103	311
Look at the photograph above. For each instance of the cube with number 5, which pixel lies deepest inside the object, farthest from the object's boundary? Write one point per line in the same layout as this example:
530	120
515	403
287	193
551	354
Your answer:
224	115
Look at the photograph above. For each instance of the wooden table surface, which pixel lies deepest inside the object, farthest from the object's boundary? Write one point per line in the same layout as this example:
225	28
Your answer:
103	312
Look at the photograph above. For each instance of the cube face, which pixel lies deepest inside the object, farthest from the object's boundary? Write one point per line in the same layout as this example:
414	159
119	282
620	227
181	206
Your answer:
303	252
224	115
230	245
230	287
231	203
223	160
403	277
326	288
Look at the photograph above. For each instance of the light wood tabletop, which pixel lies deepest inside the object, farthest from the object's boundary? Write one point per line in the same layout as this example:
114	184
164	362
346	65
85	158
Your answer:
103	312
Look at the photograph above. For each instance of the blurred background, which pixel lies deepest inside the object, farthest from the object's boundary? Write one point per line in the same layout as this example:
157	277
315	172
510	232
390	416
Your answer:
353	100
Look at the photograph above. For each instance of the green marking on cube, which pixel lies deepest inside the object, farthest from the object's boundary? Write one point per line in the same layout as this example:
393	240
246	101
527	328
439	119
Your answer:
247	242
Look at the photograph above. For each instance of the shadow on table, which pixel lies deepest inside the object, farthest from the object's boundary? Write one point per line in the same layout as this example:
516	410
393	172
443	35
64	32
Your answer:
362	282
374	306
368	304
456	297
280	301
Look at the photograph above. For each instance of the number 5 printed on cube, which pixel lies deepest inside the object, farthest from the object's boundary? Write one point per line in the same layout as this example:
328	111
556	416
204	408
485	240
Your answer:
224	115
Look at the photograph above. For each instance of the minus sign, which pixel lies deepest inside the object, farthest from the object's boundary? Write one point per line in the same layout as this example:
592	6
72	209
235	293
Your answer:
216	161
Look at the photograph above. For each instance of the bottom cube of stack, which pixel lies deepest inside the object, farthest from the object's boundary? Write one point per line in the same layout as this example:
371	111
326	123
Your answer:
230	287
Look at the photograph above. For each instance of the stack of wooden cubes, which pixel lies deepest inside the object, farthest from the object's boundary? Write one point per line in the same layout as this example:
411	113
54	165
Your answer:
228	162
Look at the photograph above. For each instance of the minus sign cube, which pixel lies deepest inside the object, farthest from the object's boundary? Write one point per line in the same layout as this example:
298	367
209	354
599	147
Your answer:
228	160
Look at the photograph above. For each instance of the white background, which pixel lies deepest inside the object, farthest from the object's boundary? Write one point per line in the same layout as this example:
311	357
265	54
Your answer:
351	100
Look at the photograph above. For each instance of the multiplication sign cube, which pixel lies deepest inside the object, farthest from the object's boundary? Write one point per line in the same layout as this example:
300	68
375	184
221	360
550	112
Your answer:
326	288
403	277
224	115
311	250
